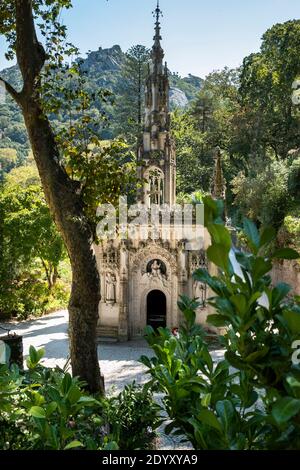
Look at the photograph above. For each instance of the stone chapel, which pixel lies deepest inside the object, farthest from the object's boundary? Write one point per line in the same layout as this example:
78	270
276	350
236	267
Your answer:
142	279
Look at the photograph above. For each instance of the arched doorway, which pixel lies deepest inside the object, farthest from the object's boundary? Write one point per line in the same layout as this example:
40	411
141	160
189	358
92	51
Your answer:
156	309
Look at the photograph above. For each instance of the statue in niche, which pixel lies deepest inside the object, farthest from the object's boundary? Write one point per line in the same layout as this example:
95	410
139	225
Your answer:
156	270
110	288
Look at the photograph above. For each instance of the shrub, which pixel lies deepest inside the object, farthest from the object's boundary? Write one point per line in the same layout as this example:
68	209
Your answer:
47	409
134	417
257	406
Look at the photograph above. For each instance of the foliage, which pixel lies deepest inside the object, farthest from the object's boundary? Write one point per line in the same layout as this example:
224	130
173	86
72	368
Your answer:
103	170
266	84
249	114
105	69
134	417
258	405
290	231
8	159
31	248
130	105
47	409
264	196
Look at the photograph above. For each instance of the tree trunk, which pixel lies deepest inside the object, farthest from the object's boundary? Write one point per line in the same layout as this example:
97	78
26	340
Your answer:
68	211
65	202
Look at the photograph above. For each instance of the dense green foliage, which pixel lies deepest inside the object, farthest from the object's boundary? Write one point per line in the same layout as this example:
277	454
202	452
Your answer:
32	258
129	107
256	405
47	409
250	115
105	69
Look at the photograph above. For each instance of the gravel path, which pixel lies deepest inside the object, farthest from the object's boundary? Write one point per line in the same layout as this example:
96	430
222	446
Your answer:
118	361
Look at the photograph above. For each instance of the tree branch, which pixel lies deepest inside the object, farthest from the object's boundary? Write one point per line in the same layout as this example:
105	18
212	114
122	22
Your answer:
30	52
11	90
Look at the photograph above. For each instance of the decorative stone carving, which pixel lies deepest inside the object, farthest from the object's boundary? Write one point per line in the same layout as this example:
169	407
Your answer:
197	260
152	251
110	288
156	269
111	259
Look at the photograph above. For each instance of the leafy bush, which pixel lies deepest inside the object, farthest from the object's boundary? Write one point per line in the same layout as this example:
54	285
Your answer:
47	409
32	250
134	418
257	406
31	296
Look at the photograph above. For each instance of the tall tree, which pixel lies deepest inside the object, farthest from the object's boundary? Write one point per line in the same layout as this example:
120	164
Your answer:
129	109
63	194
266	87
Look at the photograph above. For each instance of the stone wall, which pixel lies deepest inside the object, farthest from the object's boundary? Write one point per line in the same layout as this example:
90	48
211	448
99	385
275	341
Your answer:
288	272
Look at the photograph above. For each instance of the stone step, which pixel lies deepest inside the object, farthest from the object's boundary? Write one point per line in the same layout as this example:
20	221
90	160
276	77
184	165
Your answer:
107	333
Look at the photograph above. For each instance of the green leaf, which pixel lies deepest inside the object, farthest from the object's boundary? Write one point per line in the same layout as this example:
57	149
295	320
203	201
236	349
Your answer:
219	256
252	234
209	418
217	320
73	394
235	360
66	383
267	236
226	413
213	210
279	292
205	400
284	409
51	408
33	355
240	302
73	445
37	412
255	356
202	275
292	319
260	267
286	253
220	235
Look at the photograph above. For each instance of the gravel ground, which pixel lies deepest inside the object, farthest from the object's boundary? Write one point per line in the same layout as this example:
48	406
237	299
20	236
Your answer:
118	361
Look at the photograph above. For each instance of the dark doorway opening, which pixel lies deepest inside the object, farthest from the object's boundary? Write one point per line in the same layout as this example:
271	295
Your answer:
156	309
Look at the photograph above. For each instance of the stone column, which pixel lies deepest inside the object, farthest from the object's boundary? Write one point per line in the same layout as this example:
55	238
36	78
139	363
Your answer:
182	279
123	301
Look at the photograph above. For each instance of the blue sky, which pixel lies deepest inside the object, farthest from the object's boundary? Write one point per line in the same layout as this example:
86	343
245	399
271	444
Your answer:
198	35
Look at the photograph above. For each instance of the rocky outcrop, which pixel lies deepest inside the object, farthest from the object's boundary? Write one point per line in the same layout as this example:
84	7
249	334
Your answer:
178	98
104	60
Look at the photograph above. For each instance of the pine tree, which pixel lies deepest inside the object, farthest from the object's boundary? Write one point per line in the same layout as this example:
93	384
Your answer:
129	108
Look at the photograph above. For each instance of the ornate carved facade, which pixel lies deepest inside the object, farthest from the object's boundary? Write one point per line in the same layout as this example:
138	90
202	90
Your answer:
141	280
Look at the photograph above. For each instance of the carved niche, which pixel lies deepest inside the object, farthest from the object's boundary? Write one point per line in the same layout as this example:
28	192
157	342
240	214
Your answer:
111	259
110	288
199	261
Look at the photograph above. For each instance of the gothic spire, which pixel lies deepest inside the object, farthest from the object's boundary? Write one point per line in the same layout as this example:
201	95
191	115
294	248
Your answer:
157	52
157	14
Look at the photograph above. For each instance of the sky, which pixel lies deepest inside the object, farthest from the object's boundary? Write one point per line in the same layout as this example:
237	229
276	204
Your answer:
199	36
